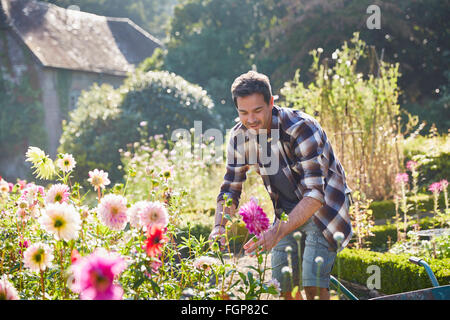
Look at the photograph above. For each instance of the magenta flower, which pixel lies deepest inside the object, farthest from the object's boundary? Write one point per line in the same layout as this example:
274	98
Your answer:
93	276
58	193
411	165
255	218
435	187
23	245
401	177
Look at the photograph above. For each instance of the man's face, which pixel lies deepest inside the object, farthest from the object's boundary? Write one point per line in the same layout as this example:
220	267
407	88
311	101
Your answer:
254	113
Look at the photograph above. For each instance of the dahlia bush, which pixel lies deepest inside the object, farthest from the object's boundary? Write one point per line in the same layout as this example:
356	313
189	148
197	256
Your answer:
64	242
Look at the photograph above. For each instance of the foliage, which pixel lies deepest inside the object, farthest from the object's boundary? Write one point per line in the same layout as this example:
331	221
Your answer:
362	218
432	153
431	110
153	63
107	119
21	111
397	273
174	274
358	112
212	42
412	33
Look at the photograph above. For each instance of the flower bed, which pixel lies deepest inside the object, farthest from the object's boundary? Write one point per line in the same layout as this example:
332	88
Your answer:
56	243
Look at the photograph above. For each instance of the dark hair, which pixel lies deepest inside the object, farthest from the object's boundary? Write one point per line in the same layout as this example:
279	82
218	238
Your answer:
249	83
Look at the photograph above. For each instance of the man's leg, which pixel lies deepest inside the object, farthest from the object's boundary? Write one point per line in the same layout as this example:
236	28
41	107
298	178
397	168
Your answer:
311	293
315	277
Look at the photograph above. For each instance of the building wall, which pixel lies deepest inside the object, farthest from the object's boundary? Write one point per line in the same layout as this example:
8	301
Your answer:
54	112
48	80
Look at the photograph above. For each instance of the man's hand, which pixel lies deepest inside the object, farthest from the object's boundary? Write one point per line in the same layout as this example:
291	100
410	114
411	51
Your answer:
218	234
267	241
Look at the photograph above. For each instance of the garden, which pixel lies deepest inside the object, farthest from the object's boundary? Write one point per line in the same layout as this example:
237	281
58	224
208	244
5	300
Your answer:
125	209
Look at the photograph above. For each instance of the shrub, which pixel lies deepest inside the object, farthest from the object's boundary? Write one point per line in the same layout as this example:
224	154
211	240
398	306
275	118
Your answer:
108	119
397	273
358	111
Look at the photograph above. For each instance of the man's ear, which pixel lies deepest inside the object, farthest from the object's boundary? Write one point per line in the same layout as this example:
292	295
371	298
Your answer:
271	102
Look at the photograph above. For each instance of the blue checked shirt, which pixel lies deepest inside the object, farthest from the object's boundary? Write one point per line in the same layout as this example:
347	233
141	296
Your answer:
299	145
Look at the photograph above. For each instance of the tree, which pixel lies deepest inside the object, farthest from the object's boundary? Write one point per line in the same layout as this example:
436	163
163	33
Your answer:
214	41
108	119
413	33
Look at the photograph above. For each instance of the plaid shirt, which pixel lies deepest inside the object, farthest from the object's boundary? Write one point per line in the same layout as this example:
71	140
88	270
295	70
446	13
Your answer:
306	158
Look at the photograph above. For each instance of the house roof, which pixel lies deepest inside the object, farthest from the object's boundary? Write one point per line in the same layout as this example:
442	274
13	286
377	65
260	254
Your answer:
70	39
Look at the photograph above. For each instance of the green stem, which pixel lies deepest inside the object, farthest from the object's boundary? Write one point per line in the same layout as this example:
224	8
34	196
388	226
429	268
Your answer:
42	285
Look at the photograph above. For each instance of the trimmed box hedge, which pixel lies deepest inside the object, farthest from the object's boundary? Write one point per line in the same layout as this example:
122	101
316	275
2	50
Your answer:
385	209
382	233
396	272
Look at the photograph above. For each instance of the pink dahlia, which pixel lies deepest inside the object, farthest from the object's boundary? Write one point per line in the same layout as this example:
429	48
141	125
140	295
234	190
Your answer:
435	187
254	217
62	220
133	214
31	193
7	290
411	165
93	276
66	163
401	178
98	179
21	183
4	186
38	257
58	193
112	211
204	263
153	213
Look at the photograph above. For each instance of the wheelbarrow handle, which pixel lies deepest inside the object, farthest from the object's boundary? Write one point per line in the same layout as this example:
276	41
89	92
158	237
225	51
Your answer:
344	290
421	262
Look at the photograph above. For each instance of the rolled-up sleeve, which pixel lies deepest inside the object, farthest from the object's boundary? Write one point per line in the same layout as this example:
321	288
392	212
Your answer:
308	149
236	172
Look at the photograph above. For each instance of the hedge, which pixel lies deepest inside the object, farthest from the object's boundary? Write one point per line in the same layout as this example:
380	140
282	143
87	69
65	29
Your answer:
396	272
385	209
382	233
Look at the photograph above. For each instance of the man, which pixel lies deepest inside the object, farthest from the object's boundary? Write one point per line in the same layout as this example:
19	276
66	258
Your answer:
306	181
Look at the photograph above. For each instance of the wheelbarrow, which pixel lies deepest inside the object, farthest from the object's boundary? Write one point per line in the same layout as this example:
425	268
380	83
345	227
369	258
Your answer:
436	292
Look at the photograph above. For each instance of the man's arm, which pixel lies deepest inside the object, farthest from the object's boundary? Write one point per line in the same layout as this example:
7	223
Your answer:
235	175
220	219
